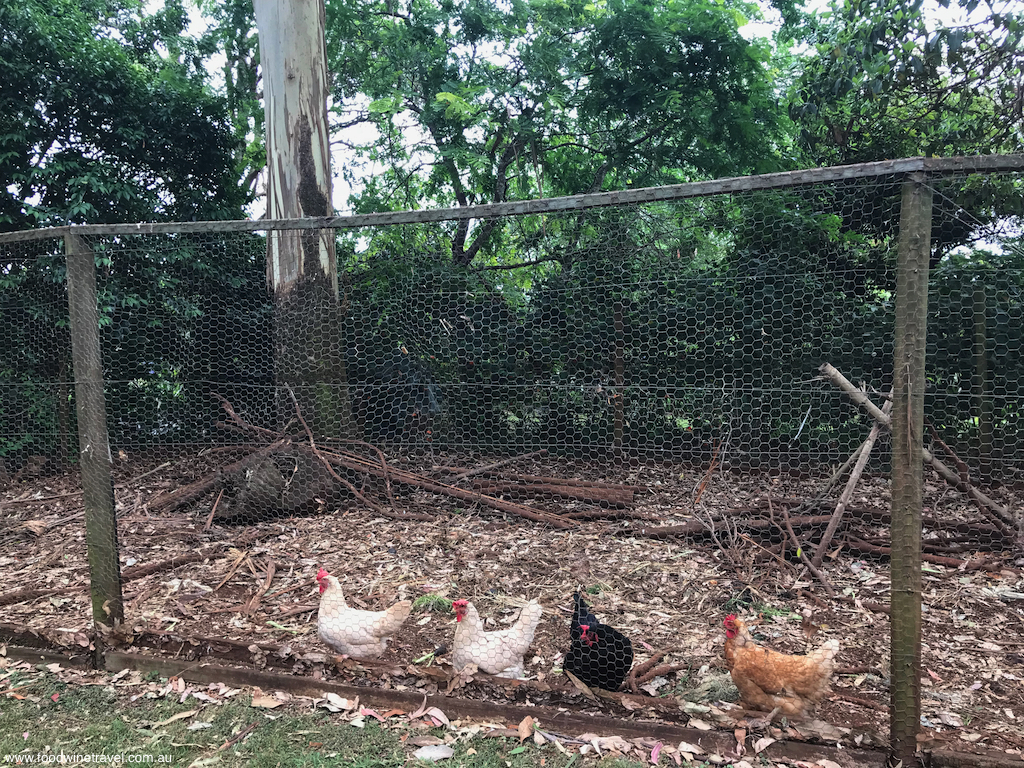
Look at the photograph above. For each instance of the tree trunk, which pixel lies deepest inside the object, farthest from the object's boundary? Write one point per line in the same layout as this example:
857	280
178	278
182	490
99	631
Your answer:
302	269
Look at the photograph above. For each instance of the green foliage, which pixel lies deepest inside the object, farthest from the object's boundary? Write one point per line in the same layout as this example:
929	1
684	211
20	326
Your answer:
476	101
93	129
891	80
432	604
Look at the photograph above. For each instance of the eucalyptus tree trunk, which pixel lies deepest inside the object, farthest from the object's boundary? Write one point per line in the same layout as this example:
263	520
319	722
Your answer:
302	268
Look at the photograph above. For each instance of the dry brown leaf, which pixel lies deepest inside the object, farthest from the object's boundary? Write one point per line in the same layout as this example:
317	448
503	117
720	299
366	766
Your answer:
175	718
263	701
525	728
426	740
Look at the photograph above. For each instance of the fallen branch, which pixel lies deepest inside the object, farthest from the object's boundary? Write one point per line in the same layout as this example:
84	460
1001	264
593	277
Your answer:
168	502
868	605
998	514
697	527
572	482
360	464
968	565
504	462
610	497
851	484
138	571
26	595
800	553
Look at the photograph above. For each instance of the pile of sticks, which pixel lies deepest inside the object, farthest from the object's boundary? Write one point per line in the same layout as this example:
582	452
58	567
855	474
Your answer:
354	465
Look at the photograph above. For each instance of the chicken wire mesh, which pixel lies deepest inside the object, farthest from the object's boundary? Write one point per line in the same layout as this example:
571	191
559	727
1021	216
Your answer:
328	476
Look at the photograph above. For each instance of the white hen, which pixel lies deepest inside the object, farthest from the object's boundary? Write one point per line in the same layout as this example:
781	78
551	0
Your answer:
496	653
359	634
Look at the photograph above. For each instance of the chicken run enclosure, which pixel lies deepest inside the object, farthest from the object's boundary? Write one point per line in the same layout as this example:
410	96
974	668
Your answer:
796	398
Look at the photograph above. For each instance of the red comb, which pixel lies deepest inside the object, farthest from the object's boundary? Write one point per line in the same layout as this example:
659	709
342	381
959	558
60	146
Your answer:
322	574
730	617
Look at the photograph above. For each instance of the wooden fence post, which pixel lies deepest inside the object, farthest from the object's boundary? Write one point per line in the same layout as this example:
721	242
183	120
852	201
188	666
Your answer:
907	468
94	444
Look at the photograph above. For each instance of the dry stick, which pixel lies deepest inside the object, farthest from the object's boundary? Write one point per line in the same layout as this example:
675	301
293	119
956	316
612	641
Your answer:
966	483
138	571
250	609
962	468
286	590
642	669
383	465
611	497
997	514
707	475
235	739
352	489
570	481
866	604
295	611
209	520
860	702
240	423
168	502
800	552
25	595
698	527
497	464
851	484
661	669
352	461
981	564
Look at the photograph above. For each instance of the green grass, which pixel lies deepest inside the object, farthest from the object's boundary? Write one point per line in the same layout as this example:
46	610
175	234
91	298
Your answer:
94	720
432	604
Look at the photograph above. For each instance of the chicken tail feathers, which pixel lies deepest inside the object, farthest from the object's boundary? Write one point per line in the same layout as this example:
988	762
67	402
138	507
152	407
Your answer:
826	653
393	618
528	620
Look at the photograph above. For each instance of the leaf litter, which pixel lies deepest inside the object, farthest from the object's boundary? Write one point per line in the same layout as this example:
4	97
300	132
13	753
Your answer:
664	593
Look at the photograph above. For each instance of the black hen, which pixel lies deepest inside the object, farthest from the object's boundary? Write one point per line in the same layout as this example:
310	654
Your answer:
598	654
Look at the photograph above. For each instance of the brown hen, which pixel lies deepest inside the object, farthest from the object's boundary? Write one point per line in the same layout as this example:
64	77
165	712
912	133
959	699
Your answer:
776	682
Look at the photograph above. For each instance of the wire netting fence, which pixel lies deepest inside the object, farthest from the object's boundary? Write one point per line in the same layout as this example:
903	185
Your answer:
630	399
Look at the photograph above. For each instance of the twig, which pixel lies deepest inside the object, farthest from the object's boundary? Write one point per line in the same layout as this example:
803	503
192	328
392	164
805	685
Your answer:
707	475
255	602
860	702
237	738
296	611
800	552
497	464
352	489
209	520
866	604
292	588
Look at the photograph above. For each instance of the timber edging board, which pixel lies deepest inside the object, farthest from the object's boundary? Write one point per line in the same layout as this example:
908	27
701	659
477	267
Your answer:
719	742
550	717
